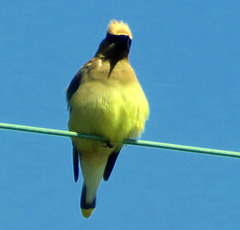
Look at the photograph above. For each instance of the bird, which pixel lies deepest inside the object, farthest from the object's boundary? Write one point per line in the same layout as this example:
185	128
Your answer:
104	98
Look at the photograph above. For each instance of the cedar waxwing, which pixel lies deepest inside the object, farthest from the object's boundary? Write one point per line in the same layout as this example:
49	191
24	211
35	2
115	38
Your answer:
105	99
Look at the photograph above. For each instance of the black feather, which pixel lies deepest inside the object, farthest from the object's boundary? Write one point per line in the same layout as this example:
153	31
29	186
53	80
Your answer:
75	164
73	86
110	164
83	203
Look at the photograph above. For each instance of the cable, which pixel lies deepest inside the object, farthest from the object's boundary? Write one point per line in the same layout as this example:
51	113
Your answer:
143	143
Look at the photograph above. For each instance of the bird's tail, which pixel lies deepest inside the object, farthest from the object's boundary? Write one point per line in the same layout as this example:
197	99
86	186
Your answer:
87	207
92	168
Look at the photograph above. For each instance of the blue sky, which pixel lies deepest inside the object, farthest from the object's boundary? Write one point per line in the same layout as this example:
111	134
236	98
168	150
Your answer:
186	55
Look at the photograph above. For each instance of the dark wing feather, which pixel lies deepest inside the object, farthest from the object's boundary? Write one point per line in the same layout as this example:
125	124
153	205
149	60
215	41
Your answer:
73	86
75	164
110	164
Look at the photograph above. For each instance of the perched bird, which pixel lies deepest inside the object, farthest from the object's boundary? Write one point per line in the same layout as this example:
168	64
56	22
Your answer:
105	99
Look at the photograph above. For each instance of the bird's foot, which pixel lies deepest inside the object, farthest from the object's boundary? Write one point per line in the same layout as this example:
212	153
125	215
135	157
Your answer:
108	144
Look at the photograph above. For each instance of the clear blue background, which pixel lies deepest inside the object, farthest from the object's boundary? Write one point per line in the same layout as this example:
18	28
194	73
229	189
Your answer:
186	55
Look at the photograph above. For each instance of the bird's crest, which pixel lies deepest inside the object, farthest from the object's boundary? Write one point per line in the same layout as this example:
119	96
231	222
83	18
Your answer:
119	28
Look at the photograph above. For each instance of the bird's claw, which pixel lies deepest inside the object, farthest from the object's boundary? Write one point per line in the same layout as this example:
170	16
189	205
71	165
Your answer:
108	144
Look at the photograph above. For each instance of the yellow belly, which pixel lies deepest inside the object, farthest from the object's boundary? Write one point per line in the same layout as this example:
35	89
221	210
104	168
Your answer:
112	112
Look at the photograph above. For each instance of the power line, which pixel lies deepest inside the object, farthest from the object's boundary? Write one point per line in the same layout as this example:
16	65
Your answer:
150	144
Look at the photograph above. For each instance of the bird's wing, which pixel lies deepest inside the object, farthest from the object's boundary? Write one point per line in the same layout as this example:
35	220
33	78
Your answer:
74	85
110	164
72	88
75	164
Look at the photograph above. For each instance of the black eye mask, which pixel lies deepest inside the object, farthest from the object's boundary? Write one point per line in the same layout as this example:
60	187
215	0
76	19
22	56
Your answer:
111	38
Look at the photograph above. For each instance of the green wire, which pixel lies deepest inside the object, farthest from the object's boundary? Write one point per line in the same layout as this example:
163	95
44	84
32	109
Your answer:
151	144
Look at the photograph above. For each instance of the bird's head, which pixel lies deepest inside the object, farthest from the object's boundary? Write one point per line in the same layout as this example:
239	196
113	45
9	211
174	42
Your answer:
117	42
